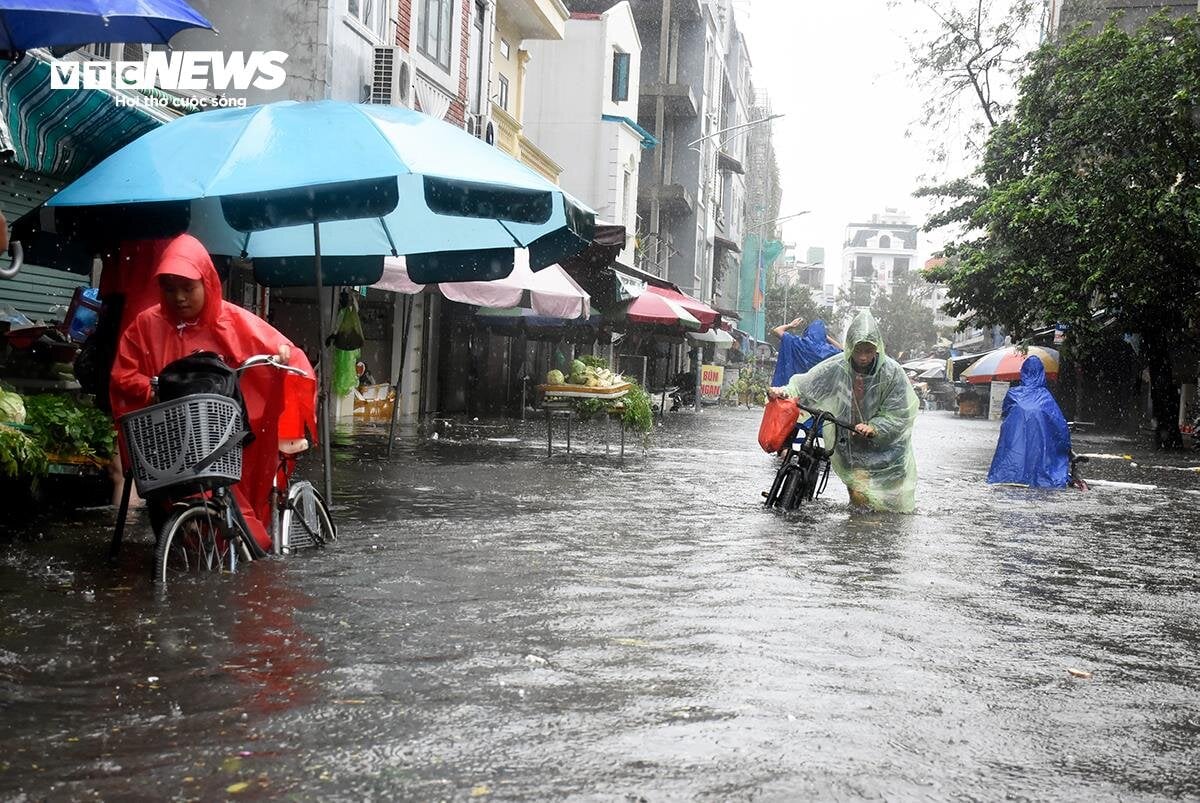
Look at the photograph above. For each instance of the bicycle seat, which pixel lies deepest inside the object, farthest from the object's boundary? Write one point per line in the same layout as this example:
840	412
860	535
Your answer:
293	446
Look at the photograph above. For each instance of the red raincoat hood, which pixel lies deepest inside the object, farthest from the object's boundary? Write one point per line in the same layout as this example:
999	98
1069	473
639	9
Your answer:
186	256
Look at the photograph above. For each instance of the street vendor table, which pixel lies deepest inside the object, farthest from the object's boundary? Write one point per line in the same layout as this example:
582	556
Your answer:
559	400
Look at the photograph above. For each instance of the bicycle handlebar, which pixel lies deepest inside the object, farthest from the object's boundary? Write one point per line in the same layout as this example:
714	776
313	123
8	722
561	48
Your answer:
821	414
271	360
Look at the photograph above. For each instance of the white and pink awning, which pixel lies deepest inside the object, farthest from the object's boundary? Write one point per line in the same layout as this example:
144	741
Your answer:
551	292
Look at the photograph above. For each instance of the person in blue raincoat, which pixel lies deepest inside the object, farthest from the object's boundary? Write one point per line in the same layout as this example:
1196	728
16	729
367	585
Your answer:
798	354
1034	448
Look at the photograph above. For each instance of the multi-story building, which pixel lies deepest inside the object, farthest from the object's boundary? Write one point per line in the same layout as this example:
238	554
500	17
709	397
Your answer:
519	24
588	124
763	196
731	96
875	254
1065	15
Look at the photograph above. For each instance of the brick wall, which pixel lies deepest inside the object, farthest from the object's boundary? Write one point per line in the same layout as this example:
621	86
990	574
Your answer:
458	107
404	24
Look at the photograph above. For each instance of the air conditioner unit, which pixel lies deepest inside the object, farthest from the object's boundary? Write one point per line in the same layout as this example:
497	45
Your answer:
392	78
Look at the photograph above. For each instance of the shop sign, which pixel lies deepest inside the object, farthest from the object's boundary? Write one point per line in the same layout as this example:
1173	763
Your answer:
712	377
996	403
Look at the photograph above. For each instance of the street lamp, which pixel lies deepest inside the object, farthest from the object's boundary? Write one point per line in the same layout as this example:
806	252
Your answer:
692	145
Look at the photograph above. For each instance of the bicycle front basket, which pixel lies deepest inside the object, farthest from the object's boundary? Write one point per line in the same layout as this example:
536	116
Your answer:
167	442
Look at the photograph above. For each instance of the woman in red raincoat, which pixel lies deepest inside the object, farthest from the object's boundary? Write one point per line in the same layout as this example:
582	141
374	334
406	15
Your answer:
192	316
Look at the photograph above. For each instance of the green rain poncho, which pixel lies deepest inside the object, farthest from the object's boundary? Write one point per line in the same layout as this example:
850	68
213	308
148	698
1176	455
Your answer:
882	469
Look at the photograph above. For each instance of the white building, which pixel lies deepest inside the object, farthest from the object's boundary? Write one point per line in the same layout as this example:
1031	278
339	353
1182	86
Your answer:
581	105
875	254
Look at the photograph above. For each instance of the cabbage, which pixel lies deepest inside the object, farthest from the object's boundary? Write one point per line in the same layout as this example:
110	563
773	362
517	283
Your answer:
578	368
554	377
578	379
12	408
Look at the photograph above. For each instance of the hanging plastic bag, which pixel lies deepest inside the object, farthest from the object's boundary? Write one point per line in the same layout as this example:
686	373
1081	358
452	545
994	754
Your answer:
345	378
348	334
778	424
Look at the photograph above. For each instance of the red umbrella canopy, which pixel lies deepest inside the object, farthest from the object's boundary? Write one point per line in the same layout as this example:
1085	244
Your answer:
658	310
1004	364
701	311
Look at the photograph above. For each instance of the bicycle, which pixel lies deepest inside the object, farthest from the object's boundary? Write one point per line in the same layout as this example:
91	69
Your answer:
804	474
188	451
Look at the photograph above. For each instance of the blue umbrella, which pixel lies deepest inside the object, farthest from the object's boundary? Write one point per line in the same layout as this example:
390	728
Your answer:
290	183
380	179
67	24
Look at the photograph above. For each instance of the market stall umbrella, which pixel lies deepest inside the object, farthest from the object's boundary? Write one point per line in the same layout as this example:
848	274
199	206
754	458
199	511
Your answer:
706	315
914	367
68	24
548	293
1004	365
289	184
718	338
655	310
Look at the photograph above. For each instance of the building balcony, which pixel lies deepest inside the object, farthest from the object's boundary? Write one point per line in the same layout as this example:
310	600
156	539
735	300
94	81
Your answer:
508	132
673	199
535	157
729	163
679	101
511	140
537	19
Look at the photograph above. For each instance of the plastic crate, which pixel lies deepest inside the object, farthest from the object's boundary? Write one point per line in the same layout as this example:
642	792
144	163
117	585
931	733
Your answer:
166	442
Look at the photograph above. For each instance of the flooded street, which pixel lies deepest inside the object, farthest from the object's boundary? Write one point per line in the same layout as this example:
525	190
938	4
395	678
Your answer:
496	624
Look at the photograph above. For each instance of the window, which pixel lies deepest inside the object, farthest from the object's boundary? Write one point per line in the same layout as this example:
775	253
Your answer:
885	241
102	49
504	48
863	268
433	30
502	100
899	267
370	13
620	77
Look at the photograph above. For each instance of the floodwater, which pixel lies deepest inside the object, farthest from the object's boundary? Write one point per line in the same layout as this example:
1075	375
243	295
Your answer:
494	624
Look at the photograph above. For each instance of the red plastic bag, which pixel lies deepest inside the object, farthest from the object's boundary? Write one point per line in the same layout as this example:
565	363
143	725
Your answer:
778	423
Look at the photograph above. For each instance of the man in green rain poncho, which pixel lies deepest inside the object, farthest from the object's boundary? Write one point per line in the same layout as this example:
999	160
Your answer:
866	388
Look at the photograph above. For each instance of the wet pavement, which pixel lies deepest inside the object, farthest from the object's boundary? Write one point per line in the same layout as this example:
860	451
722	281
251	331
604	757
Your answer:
494	624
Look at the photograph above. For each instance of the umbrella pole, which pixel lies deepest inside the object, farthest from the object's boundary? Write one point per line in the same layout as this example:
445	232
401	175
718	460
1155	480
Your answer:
405	320
326	368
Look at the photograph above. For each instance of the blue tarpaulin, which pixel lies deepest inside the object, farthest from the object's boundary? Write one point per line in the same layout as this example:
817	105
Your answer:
797	354
1034	448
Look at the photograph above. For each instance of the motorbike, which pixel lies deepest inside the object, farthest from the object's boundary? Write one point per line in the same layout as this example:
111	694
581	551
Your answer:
684	394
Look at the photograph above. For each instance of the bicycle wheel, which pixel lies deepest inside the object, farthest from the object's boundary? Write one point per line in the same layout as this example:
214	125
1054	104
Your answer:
772	496
196	540
305	521
793	488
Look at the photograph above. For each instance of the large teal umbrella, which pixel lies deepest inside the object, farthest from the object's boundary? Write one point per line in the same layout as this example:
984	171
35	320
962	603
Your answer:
288	184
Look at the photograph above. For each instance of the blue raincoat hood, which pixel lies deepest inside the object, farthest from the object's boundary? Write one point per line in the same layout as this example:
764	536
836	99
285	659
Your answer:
1034	448
799	354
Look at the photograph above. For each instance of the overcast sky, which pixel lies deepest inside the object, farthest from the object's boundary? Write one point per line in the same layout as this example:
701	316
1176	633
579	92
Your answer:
839	71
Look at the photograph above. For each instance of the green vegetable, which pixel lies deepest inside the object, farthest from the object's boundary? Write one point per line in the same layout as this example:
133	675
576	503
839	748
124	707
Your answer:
578	367
64	426
12	408
638	415
19	455
555	377
592	361
578	379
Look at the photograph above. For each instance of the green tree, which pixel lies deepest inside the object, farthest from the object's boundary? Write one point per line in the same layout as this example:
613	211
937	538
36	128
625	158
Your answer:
967	58
1091	198
906	320
785	304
